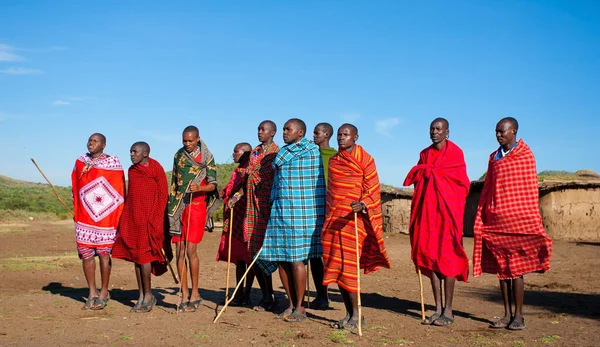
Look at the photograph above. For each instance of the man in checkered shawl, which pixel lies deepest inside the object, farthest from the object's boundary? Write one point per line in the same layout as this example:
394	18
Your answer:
298	204
510	240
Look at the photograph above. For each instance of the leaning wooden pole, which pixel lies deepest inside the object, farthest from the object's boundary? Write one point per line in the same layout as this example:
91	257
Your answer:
185	242
238	285
52	186
230	236
358	274
422	299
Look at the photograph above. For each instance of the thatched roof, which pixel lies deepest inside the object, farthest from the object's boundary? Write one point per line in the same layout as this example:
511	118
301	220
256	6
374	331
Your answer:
397	192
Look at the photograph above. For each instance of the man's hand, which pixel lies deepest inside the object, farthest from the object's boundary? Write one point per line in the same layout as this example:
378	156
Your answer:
231	202
357	206
195	188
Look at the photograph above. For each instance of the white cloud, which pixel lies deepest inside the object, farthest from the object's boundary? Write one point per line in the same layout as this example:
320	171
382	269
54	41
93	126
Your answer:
60	102
384	126
7	53
20	71
350	117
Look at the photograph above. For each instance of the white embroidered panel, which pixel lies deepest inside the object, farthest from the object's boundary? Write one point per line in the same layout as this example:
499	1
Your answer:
99	198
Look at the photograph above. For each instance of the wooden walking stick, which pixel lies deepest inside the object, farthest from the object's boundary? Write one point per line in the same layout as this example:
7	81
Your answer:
308	284
238	286
358	274
422	300
229	253
52	186
185	260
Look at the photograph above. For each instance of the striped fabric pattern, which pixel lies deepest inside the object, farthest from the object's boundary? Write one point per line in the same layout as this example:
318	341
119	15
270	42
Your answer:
298	206
510	239
352	176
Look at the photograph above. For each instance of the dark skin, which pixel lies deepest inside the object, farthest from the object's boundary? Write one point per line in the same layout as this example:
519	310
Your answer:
347	137
438	133
190	142
241	155
143	272
293	274
95	146
321	138
512	290
266	133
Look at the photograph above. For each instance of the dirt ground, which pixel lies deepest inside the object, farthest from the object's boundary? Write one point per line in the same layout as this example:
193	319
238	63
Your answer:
42	289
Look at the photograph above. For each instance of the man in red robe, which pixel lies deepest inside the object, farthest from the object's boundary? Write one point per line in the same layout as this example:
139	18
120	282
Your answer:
510	239
436	221
142	226
98	183
234	197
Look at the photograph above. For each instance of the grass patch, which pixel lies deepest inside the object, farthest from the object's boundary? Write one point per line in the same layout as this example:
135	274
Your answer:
518	343
44	318
452	339
38	263
201	336
125	338
339	336
549	339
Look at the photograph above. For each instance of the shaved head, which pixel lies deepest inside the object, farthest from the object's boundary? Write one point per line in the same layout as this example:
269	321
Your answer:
299	123
102	137
443	121
326	127
143	145
351	127
270	124
510	120
191	129
245	146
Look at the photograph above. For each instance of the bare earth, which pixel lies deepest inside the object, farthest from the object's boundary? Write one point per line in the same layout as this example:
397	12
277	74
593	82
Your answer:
42	289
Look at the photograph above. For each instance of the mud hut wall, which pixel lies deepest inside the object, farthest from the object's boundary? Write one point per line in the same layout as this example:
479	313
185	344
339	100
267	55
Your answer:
396	213
572	214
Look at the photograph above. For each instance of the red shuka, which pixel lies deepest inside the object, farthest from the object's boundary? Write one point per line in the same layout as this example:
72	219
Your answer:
142	227
510	239
437	210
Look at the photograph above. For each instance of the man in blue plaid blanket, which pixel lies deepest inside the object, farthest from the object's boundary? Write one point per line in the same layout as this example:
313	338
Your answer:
297	208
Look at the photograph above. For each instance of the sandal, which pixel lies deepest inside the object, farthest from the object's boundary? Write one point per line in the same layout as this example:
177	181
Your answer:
429	320
288	312
352	324
136	307
193	305
499	323
514	325
100	304
267	305
88	303
181	307
340	324
295	317
147	307
443	321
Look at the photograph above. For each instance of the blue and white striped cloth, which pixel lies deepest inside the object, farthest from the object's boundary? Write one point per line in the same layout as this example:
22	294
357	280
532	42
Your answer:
298	207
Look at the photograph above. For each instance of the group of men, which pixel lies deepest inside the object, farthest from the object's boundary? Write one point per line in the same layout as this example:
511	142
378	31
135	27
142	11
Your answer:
308	204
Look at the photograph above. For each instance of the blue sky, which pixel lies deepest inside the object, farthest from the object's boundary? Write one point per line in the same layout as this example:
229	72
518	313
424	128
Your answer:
143	70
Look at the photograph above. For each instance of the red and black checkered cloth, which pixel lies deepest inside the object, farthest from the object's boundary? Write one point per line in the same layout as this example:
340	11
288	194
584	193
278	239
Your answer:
260	174
141	234
510	239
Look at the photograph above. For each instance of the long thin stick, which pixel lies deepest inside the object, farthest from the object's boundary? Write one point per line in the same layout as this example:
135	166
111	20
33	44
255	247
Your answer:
238	285
422	299
308	284
358	274
175	278
229	253
52	186
185	240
